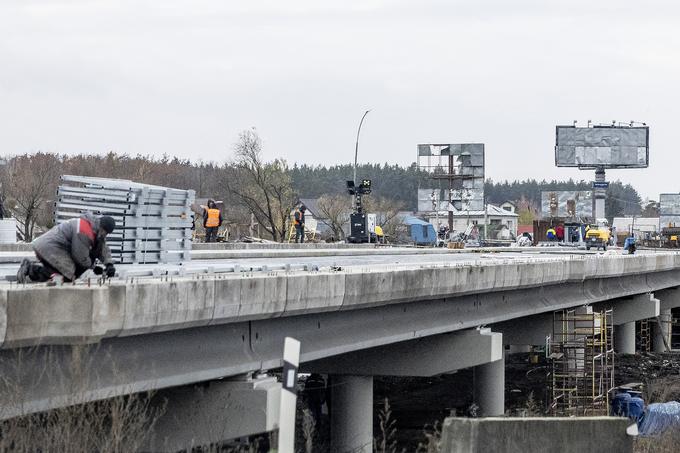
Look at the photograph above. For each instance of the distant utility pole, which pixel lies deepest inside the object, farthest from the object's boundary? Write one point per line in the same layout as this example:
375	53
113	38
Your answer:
356	147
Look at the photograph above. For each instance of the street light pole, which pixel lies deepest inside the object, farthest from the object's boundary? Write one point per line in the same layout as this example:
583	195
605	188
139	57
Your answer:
356	148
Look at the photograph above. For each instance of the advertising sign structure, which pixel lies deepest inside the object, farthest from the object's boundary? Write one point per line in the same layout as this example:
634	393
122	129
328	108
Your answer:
602	147
567	204
460	170
669	209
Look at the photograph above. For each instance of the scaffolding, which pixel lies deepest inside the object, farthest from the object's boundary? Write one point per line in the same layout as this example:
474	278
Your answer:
582	353
675	328
643	335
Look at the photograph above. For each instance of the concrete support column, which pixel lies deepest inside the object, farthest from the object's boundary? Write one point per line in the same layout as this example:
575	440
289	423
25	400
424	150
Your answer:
490	388
624	336
663	330
351	414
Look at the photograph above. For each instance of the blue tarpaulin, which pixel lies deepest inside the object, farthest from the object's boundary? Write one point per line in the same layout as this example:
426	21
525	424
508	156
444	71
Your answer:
420	231
660	417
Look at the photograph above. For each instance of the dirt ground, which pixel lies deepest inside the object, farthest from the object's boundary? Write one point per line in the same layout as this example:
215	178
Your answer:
418	403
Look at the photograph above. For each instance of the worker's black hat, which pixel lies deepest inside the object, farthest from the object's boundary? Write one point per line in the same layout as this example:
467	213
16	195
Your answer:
107	224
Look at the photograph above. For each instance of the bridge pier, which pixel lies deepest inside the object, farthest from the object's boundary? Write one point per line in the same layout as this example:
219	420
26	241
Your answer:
489	384
661	331
352	383
670	299
624	338
626	312
351	414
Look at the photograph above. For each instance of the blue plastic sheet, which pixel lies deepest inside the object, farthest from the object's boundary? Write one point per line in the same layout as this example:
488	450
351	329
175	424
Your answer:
660	417
627	405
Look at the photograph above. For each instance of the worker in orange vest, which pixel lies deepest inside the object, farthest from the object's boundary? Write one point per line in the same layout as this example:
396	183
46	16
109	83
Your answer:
300	224
212	220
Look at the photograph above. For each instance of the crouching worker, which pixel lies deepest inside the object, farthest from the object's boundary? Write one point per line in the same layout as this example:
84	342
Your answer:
68	250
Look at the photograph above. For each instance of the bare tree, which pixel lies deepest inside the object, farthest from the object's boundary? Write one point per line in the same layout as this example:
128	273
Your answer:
335	210
264	188
386	210
117	424
31	181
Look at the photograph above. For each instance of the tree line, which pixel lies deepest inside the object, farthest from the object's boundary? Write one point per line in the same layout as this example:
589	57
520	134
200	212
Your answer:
256	191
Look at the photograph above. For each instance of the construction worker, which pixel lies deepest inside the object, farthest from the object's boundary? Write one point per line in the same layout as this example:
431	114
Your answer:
68	250
551	234
212	221
299	219
379	234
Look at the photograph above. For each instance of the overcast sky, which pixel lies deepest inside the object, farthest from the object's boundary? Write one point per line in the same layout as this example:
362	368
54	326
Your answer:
183	77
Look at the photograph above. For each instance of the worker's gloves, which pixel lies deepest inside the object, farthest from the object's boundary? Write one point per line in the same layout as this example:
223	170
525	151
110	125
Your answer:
109	270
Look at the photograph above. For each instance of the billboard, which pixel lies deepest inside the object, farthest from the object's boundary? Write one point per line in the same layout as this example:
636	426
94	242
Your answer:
602	146
432	200
455	167
555	203
669	209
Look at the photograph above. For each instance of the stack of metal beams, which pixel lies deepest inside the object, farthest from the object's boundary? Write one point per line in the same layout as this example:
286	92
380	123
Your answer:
153	223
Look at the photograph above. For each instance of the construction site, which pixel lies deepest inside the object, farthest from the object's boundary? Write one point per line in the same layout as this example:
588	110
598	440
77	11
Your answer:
391	337
350	227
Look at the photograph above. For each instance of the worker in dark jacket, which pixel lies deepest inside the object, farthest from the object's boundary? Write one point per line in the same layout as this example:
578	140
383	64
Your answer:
212	221
69	249
300	224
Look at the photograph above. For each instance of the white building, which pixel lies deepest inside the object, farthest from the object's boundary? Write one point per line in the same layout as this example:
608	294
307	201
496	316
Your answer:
497	217
509	206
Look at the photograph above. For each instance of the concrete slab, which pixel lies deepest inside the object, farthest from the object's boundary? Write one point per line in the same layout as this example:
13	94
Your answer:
531	330
262	296
160	304
540	435
227	298
44	315
669	298
215	412
185	303
141	307
632	309
315	292
427	356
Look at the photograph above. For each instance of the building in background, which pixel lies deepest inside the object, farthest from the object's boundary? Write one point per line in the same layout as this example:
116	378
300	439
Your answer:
509	206
502	223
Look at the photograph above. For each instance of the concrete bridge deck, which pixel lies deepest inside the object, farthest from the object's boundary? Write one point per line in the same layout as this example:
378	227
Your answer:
36	314
256	260
167	331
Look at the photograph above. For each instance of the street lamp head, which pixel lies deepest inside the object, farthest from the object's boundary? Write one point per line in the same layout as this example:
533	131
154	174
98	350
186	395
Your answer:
356	148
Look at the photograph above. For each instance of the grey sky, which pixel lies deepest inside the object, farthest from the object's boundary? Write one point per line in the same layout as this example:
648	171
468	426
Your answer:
184	77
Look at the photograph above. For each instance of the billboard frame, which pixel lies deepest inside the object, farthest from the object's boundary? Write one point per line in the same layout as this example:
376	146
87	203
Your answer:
604	166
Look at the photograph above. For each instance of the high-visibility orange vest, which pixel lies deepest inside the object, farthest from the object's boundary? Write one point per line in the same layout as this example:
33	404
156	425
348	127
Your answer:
213	218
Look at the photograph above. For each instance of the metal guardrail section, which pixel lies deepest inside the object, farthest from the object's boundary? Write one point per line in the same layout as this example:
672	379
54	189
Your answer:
153	223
